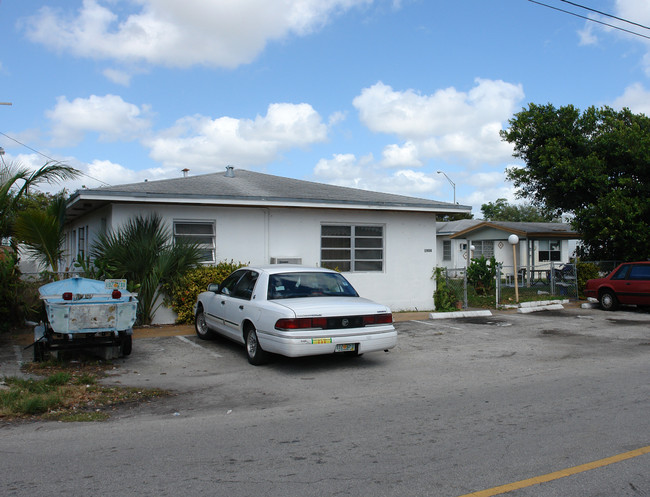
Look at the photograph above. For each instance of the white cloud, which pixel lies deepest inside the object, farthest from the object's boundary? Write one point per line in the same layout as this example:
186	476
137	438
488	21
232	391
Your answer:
448	124
180	34
110	116
404	156
203	142
636	98
116	76
364	173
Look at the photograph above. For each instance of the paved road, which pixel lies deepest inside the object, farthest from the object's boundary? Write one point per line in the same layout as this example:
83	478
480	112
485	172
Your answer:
459	406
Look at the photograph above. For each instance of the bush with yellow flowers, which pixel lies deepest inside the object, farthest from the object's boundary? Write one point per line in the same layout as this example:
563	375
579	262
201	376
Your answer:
183	294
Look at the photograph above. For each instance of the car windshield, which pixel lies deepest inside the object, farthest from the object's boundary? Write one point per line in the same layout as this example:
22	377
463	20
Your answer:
309	284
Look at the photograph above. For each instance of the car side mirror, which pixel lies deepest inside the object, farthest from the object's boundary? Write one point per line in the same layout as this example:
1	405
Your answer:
213	287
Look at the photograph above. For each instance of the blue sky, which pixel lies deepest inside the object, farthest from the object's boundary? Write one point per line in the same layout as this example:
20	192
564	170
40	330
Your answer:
374	94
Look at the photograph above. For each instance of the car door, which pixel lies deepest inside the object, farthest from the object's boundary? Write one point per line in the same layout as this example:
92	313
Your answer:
638	284
619	283
235	304
215	312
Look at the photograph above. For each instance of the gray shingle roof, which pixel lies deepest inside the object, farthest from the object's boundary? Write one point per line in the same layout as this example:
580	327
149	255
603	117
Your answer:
259	188
465	226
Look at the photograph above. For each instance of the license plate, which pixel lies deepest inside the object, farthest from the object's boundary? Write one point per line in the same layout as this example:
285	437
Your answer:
345	347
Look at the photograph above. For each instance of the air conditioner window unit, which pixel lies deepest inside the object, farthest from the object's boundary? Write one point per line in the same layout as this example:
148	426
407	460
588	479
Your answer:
286	260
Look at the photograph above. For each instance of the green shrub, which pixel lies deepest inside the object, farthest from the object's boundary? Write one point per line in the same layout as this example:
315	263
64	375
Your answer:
18	298
586	271
182	296
481	274
444	298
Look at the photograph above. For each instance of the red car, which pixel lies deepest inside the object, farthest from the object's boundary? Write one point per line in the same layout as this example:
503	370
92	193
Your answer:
629	283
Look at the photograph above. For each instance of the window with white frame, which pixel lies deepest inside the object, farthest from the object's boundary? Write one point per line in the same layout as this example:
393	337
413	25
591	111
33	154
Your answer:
549	250
352	248
446	250
200	232
81	241
483	248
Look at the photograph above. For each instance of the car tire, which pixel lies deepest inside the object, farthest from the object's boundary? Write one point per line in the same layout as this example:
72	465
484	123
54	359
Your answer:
256	356
608	300
200	325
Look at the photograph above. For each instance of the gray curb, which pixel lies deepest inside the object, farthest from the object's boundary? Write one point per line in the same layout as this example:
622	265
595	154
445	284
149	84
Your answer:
459	314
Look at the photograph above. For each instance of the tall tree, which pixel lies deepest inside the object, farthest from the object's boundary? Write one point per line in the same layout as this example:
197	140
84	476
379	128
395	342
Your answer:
593	164
41	230
501	210
15	182
143	251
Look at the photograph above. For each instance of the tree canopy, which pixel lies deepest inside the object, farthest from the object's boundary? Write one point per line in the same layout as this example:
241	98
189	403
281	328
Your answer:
594	165
501	210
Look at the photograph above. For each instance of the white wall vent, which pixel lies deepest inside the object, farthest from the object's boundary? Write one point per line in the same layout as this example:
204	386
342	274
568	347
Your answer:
286	260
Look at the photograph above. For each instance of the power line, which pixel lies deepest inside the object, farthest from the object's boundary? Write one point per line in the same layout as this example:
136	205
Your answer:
605	14
592	20
50	158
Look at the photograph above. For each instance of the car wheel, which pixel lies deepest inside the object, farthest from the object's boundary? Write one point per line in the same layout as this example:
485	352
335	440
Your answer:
201	327
608	301
256	355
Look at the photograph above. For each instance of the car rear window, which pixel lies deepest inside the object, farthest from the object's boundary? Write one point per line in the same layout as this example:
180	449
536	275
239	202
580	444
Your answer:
308	284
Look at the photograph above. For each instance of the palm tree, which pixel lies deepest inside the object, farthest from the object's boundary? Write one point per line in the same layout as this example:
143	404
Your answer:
143	252
42	232
15	181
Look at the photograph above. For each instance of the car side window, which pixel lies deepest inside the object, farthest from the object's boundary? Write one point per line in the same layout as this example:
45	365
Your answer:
228	285
640	272
621	274
245	286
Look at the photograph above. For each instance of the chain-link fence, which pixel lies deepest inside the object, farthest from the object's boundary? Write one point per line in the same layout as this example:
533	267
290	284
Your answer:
552	280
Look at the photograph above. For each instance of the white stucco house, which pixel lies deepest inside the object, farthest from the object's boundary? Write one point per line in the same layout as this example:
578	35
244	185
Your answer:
540	244
384	244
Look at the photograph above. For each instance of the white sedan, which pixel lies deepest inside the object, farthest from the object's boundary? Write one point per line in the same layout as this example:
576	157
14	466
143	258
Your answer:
293	311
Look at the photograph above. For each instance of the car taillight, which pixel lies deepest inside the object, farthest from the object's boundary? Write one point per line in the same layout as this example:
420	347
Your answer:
116	294
377	319
300	323
67	296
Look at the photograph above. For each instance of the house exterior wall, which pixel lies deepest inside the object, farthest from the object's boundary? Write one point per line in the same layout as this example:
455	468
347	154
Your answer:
254	235
502	251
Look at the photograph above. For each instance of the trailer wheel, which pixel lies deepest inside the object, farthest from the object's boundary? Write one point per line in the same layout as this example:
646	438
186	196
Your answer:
127	344
39	352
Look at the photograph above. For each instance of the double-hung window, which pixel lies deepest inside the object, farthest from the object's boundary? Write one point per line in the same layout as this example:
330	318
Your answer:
549	250
352	248
446	250
483	248
199	232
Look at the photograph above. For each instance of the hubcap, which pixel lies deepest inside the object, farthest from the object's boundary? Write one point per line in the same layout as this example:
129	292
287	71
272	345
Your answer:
251	344
200	324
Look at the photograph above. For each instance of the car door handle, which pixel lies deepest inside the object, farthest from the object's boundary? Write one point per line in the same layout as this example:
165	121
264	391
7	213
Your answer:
241	307
223	302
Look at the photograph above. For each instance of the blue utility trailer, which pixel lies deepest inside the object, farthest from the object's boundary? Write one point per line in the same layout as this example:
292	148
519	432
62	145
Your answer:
86	314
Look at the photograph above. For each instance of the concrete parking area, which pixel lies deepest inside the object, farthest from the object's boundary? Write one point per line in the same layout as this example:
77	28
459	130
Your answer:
460	406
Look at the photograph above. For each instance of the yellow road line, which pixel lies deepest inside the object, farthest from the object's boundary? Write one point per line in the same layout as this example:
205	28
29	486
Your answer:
559	474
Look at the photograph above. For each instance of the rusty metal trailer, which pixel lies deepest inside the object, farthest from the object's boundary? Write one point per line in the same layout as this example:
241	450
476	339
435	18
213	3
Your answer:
86	314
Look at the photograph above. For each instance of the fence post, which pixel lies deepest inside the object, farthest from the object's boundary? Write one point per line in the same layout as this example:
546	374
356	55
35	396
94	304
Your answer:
497	292
465	304
552	277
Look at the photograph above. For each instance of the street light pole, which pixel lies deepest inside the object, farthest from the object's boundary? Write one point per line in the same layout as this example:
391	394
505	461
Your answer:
450	181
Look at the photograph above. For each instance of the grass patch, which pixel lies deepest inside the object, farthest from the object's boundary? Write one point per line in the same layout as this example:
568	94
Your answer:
67	392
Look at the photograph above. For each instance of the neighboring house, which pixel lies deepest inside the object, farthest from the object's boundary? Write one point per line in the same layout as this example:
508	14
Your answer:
540	244
384	244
